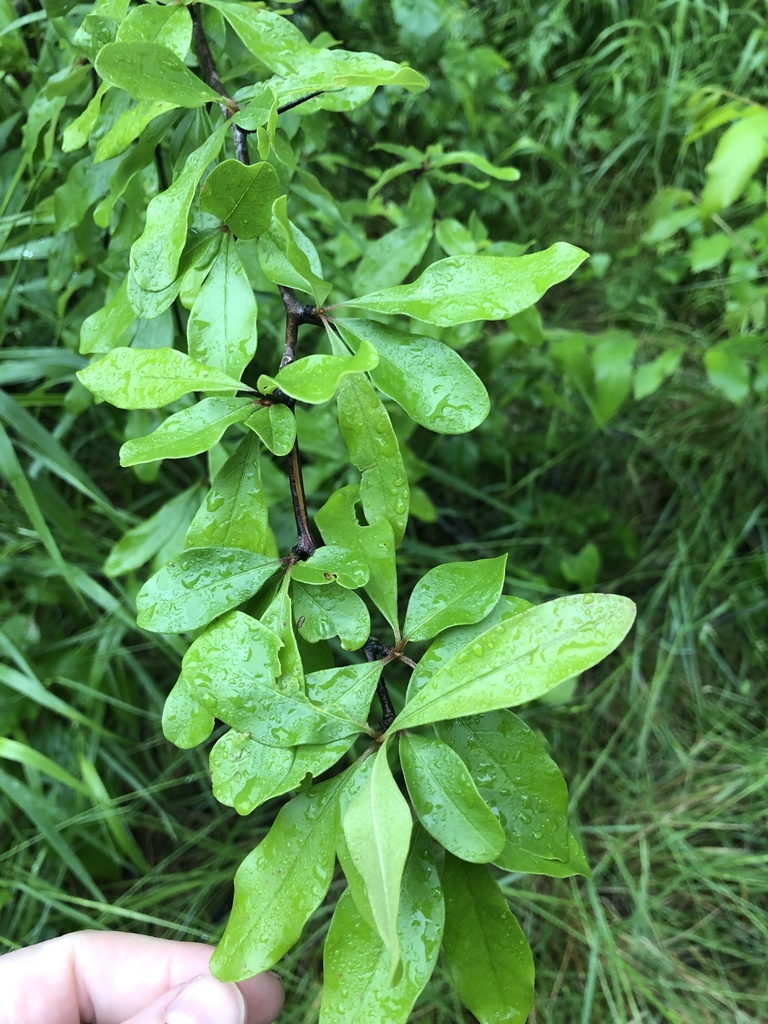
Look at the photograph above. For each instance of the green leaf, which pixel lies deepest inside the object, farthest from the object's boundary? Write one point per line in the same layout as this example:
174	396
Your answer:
241	196
132	378
454	594
186	722
325	612
463	288
522	657
139	544
276	426
280	884
373	449
288	257
357	970
485	947
312	760
198	585
738	155
375	545
150	71
330	564
156	252
279	617
77	133
388	259
221	330
188	432
728	373
521	861
106	328
377	828
518	779
315	379
428	379
234	512
271	38
343	69
480	163
233	665
169	26
246	773
446	800
128	127
650	376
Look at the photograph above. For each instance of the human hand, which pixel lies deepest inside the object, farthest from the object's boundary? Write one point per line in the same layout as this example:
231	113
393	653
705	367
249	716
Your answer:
118	978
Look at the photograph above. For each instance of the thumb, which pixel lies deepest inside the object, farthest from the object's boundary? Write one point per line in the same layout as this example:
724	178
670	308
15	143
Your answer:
203	1000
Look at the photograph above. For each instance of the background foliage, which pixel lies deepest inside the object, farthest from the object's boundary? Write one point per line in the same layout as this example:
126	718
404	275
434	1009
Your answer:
598	467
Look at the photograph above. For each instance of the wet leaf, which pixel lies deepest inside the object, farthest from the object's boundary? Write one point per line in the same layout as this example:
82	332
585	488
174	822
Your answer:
523	657
454	594
272	38
377	828
325	612
280	884
373	449
315	379
428	379
246	773
170	26
186	722
241	196
387	260
234	512
198	585
516	776
150	71
156	252
521	861
344	69
357	969
188	432
107	327
485	947
289	258
463	288
276	426
132	378
331	564
446	800
221	330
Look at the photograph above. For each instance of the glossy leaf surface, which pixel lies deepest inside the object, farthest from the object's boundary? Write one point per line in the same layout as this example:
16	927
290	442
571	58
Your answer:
373	449
325	612
198	585
276	426
132	378
517	777
150	71
357	970
221	331
428	379
289	258
270	37
463	288
188	432
156	252
377	827
315	379
446	800
241	196
280	884
522	658
342	69
170	26
486	950
453	595
245	773
234	511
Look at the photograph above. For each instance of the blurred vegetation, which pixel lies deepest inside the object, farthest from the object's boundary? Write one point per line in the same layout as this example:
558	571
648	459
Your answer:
599	467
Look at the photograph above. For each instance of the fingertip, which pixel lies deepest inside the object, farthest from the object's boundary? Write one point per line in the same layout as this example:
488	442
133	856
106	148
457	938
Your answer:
264	997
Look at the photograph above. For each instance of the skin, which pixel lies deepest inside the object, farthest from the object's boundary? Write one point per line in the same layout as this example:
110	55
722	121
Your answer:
115	978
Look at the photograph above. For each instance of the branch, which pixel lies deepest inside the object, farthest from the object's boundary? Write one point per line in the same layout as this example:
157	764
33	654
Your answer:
211	74
374	649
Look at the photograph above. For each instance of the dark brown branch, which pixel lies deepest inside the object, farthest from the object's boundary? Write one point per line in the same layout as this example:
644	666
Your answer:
302	99
373	649
211	75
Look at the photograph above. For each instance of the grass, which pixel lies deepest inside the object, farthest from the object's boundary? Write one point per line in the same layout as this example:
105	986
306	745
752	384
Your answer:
104	824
